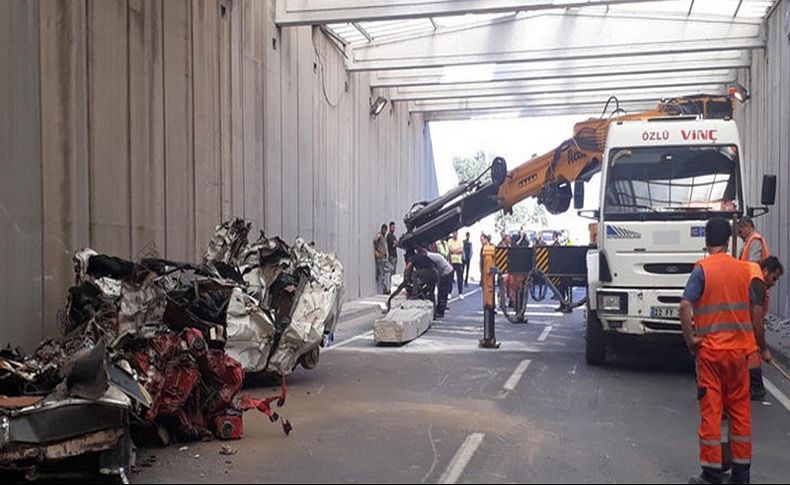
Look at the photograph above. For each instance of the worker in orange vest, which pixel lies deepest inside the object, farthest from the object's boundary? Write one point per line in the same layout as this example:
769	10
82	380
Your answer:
755	249
764	277
721	326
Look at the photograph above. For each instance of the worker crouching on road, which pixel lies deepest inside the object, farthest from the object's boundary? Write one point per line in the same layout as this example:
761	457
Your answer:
722	326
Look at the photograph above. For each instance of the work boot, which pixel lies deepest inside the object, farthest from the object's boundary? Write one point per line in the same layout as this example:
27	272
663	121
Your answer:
741	474
709	475
756	386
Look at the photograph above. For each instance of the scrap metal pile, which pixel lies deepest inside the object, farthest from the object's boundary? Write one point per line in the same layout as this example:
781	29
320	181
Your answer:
160	348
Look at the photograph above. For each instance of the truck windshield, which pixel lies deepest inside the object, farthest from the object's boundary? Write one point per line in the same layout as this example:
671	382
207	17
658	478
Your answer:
672	182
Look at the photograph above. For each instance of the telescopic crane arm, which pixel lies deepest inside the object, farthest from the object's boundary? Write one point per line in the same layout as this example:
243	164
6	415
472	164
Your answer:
547	177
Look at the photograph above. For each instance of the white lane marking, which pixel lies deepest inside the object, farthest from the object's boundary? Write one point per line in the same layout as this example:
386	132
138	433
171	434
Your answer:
435	462
465	295
544	314
462	458
545	334
514	379
348	341
779	395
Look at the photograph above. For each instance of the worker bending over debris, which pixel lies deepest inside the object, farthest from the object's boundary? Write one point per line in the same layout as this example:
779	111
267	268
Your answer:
419	279
446	271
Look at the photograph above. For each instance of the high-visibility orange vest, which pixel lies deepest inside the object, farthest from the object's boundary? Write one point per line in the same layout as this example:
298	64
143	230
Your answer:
722	317
757	274
755	236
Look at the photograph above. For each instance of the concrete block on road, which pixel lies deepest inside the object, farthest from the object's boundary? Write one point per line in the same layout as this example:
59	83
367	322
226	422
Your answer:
406	321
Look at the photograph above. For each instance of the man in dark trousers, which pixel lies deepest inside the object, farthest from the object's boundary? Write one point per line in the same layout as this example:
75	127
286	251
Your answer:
392	250
456	249
722	326
419	279
764	277
445	270
467	257
383	275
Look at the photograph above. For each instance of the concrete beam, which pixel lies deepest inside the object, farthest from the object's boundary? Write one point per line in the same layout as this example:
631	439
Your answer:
578	112
312	12
556	102
559	37
407	321
631	83
689	65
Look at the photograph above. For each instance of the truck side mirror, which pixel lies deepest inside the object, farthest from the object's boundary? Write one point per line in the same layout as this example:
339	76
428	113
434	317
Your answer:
769	190
578	195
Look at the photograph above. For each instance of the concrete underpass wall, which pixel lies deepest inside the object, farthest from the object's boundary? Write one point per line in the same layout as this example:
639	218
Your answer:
764	124
135	126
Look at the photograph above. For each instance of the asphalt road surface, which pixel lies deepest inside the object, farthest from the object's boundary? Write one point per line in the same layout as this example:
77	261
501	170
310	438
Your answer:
442	410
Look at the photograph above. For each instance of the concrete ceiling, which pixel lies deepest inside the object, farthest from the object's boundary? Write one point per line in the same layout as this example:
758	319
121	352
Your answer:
457	59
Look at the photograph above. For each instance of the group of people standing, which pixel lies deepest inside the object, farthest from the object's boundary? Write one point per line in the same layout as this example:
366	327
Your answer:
723	315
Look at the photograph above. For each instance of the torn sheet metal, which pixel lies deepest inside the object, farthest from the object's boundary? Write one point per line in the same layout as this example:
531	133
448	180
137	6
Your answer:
49	433
251	332
228	243
167	343
58	428
291	298
317	308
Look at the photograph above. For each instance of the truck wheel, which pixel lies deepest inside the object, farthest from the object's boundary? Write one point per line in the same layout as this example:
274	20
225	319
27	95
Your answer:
595	340
310	360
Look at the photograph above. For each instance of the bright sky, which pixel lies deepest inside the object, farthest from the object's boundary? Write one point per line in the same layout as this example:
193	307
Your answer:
517	140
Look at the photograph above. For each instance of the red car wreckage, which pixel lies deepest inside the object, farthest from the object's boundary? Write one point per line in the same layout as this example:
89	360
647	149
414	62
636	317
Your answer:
161	348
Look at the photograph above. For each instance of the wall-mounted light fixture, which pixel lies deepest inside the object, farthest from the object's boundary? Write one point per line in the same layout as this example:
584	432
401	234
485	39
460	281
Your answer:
738	92
378	106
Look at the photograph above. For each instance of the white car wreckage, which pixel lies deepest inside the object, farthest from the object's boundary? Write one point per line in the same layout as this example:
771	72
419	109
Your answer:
160	348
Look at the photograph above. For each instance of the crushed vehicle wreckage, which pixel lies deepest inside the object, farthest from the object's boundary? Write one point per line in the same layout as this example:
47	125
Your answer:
160	348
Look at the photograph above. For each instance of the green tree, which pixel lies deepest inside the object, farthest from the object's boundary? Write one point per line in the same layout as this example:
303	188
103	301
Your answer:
528	213
470	168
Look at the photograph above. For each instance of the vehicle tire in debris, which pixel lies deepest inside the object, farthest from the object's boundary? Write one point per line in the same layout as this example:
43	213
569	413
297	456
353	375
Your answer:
595	340
310	360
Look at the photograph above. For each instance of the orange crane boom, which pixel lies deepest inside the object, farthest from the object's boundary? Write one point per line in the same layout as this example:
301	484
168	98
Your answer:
547	177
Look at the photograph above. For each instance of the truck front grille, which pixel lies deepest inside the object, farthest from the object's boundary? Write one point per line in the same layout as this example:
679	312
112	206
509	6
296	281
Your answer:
669	268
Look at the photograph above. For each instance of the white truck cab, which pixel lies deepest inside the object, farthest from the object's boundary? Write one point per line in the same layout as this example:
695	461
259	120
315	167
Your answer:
662	180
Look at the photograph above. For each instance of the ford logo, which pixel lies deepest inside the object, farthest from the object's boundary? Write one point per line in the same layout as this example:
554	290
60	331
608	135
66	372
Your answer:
673	269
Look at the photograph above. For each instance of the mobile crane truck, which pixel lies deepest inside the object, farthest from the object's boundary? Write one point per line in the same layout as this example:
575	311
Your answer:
664	174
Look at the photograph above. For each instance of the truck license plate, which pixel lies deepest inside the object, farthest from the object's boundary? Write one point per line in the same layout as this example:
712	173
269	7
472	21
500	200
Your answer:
665	312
